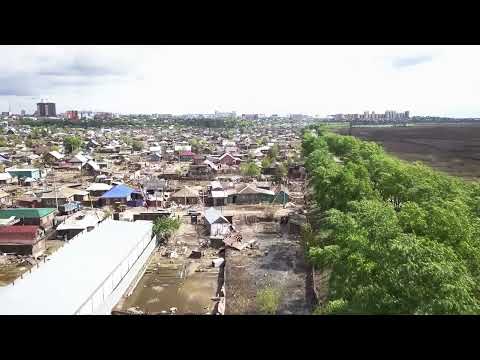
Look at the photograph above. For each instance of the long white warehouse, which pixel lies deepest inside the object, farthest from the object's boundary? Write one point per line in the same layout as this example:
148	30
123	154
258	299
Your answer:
88	275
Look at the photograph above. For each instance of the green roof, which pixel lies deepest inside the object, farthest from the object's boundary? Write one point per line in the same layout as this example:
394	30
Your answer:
25	212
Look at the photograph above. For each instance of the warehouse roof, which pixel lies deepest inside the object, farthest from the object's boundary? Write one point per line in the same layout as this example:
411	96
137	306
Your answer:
119	191
62	284
25	212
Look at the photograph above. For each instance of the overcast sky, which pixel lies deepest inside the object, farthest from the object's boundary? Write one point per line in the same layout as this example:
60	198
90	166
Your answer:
427	80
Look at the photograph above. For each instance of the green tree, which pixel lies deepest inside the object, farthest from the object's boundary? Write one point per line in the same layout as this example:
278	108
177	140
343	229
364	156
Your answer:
266	162
250	169
379	270
137	145
72	143
165	227
399	238
273	152
3	142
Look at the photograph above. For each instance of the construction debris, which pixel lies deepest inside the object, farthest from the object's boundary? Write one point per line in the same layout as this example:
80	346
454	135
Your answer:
218	262
134	311
234	240
195	254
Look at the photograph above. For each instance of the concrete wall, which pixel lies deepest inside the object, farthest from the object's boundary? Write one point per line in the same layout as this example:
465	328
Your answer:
106	296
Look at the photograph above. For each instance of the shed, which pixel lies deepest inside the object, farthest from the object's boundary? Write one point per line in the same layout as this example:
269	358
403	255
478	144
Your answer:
22	240
217	224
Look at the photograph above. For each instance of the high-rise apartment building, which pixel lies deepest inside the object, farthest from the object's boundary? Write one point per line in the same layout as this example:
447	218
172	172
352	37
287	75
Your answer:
71	115
46	109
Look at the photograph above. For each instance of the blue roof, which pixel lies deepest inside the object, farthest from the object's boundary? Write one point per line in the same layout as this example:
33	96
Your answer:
119	191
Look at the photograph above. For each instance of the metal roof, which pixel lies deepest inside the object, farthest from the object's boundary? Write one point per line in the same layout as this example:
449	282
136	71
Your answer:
212	216
99	187
86	221
219	194
25	212
22	235
119	191
61	285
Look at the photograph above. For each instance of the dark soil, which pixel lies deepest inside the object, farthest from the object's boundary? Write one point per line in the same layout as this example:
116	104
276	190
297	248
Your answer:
453	149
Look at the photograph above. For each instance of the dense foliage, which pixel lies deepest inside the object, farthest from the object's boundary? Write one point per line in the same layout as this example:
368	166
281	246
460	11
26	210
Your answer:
399	238
72	143
250	169
164	227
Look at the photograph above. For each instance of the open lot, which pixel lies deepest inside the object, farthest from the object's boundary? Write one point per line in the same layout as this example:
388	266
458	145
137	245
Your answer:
454	149
176	282
277	262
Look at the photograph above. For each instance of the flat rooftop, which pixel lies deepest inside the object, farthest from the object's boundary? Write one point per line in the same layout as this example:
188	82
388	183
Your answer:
62	284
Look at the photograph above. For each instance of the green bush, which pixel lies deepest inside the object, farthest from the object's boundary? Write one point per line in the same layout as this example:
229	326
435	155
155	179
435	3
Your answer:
268	300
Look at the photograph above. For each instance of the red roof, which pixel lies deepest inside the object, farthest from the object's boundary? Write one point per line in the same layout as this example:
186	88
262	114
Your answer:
18	234
187	153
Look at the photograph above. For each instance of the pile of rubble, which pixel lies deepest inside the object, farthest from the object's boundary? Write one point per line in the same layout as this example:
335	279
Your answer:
18	260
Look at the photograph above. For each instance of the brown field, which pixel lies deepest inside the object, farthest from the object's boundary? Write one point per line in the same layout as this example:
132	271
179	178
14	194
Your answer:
454	149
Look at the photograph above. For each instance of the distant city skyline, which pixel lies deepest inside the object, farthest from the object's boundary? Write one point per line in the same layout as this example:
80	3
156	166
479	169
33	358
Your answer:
312	80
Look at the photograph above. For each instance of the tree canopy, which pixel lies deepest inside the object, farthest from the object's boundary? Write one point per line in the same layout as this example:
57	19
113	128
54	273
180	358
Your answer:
250	169
399	238
72	143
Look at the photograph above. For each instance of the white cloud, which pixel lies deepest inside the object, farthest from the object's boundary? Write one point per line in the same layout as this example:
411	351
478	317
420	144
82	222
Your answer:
438	80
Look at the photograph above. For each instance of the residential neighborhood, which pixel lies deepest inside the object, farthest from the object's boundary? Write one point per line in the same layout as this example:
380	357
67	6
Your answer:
59	184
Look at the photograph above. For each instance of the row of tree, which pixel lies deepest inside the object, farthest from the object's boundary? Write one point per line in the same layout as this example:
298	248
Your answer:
398	238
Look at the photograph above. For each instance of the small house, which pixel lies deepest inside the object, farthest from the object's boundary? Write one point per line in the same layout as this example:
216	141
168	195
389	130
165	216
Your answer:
187	155
22	240
28	202
218	226
6	178
54	157
186	196
24	173
98	189
62	196
92	168
228	159
120	193
250	194
199	159
42	217
156	156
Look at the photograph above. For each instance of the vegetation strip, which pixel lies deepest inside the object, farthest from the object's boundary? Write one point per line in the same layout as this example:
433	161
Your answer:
399	238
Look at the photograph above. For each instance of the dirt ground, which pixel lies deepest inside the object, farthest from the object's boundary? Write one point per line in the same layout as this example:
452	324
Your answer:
13	267
278	262
454	149
186	284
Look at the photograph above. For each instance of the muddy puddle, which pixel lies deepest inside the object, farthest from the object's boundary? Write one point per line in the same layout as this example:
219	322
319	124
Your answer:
174	285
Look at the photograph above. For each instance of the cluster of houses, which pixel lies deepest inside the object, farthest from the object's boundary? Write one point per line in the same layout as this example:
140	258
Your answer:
41	186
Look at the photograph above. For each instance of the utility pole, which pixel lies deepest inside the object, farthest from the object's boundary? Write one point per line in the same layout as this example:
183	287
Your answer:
55	190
